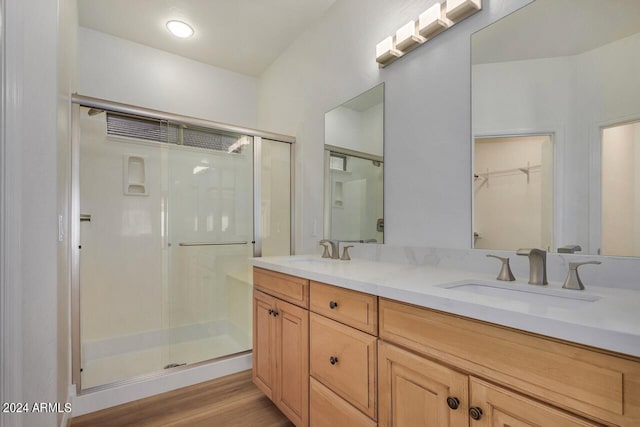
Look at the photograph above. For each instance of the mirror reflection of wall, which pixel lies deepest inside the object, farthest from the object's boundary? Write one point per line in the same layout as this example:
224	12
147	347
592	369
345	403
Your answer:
621	190
572	80
513	192
354	133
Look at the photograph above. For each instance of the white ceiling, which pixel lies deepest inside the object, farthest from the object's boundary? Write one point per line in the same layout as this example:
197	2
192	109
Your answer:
554	28
244	36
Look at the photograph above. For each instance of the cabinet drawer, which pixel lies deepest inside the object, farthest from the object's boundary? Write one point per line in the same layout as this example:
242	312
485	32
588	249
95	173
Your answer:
330	410
352	308
569	376
344	360
289	288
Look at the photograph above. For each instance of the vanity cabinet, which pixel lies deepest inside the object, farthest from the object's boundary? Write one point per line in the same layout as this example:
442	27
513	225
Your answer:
333	356
343	356
281	343
418	392
525	368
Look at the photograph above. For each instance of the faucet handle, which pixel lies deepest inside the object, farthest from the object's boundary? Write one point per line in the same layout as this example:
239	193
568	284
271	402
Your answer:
345	253
573	278
531	251
505	272
325	253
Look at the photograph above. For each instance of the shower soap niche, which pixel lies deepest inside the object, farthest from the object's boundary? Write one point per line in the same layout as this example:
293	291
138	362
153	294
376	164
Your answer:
135	175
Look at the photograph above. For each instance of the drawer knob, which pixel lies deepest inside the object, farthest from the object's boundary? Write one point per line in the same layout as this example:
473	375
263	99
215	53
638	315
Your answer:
333	304
453	402
475	413
333	360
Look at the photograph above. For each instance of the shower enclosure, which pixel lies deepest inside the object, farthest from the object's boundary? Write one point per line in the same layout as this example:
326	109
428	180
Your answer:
168	214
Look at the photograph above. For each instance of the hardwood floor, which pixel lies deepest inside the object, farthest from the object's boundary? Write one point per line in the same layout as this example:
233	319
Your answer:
231	401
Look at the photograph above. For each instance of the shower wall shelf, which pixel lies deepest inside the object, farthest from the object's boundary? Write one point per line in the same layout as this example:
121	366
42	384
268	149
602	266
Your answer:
135	175
433	21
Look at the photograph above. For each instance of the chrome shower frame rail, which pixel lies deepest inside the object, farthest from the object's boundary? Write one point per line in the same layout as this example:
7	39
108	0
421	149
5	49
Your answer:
118	107
75	216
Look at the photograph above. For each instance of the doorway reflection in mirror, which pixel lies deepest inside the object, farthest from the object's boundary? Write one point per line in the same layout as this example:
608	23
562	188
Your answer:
513	192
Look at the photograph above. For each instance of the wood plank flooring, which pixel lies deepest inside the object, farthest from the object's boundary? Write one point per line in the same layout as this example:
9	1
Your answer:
231	401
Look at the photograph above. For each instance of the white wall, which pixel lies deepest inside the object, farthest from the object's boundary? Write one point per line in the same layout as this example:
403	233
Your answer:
427	115
36	305
119	70
356	130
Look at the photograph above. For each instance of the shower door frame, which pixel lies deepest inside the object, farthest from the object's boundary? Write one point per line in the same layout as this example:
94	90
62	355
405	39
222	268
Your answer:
89	102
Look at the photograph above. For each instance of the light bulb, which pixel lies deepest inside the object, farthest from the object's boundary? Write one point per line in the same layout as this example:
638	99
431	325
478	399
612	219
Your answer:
180	29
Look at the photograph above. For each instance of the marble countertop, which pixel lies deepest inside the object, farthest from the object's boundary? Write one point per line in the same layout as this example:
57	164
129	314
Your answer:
607	318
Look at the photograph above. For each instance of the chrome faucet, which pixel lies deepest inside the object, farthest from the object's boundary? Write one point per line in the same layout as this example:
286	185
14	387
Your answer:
335	248
537	265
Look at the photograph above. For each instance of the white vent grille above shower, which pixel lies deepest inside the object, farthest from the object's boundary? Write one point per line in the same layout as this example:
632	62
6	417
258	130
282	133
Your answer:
170	133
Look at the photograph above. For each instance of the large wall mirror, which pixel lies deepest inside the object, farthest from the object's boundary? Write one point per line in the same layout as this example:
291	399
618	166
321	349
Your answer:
354	169
556	128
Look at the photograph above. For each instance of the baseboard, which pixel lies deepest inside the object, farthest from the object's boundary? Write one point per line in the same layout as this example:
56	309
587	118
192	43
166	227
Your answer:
66	420
93	401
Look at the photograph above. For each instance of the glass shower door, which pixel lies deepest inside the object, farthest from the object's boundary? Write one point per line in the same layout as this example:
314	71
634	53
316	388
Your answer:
209	238
166	230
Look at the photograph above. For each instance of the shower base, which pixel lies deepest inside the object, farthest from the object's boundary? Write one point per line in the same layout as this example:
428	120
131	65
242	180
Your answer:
129	365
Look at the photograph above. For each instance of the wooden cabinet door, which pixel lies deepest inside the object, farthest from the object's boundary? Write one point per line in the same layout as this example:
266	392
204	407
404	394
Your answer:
292	393
502	408
264	343
414	391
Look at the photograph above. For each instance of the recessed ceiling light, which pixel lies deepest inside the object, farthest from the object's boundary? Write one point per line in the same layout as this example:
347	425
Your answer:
180	29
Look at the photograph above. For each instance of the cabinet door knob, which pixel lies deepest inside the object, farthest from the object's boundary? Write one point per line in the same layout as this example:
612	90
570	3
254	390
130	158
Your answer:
453	402
333	360
333	304
275	313
270	312
475	412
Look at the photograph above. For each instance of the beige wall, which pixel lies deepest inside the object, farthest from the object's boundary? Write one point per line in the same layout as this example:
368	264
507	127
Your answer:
509	212
621	190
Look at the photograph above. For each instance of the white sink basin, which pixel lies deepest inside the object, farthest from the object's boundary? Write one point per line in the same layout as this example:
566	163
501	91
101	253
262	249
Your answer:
562	298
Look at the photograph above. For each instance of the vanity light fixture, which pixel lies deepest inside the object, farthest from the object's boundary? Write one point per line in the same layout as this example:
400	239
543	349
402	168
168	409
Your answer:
180	29
386	51
407	38
433	21
459	9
